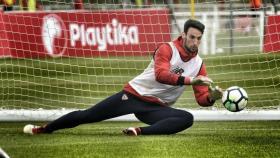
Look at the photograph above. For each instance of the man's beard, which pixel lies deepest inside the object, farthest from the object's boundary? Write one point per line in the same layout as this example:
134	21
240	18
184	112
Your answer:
192	50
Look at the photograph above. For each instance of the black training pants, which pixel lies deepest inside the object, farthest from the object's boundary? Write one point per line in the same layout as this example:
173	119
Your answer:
162	119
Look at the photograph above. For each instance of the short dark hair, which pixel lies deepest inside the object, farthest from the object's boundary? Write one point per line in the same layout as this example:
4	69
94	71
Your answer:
193	23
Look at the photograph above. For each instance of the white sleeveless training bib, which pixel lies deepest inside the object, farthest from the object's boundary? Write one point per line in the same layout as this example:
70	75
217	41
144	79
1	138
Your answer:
146	85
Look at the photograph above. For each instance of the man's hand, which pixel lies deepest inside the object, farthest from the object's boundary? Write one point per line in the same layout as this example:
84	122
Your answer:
215	93
201	80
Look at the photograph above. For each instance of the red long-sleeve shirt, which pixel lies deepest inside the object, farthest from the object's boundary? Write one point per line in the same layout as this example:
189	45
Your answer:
163	75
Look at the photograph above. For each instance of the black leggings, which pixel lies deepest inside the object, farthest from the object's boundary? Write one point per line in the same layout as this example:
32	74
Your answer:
162	119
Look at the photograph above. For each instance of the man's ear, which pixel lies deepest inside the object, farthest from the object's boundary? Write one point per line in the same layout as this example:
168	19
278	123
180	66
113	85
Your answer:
183	34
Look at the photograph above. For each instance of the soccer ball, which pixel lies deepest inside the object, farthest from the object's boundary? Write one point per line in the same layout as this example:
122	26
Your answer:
235	99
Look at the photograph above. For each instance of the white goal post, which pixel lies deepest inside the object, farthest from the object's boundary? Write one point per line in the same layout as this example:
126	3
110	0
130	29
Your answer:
199	115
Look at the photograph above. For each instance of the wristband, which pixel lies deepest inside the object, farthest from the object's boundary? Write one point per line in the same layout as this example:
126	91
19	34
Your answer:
181	80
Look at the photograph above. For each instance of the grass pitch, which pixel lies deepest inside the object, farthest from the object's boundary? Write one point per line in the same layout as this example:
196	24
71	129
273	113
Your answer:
204	139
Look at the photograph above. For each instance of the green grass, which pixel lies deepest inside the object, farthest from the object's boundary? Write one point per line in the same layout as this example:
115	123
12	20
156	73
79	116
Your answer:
80	82
204	139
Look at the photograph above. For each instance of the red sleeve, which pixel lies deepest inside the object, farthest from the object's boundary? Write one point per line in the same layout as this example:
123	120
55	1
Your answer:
162	59
201	92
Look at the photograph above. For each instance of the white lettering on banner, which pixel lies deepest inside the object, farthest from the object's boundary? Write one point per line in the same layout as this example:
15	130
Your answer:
90	38
111	34
74	34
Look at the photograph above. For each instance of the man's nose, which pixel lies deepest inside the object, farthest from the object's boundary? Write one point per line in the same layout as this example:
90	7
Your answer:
195	41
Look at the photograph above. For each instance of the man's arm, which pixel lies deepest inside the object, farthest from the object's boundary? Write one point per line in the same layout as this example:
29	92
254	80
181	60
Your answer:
162	59
163	75
205	95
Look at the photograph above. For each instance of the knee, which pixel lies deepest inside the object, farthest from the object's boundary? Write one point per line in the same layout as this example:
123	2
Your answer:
187	119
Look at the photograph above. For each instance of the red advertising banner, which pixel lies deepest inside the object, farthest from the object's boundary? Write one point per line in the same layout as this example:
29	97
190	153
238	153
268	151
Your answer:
272	34
86	34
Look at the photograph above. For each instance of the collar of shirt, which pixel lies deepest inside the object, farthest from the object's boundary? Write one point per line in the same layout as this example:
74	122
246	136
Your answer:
185	56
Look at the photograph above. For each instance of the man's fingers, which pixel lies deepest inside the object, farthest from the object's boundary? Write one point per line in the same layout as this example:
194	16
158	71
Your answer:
217	88
201	80
206	81
215	93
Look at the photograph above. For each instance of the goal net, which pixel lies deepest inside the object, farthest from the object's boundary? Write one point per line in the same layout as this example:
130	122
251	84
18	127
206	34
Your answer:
71	55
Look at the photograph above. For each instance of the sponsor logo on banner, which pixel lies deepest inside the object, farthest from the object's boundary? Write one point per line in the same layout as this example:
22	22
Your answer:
54	35
111	34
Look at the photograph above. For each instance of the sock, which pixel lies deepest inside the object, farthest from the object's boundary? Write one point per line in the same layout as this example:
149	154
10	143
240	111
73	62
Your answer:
138	130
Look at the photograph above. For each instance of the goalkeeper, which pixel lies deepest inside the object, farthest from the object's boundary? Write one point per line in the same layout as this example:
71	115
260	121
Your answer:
149	96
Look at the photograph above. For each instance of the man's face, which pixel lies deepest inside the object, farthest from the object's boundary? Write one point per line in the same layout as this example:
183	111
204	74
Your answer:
191	40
